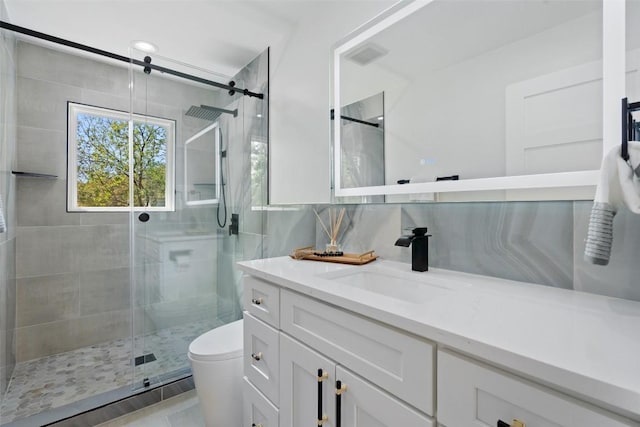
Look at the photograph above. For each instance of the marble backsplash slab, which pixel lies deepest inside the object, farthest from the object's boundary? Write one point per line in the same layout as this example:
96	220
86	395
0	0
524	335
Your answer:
530	242
536	242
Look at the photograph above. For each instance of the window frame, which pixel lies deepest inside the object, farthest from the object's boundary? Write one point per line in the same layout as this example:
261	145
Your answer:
73	109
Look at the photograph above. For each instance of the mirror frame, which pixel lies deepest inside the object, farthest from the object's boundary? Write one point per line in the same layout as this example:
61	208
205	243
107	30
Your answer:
216	128
378	24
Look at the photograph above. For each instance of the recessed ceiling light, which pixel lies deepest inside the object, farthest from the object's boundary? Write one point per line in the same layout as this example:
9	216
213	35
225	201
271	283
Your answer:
144	46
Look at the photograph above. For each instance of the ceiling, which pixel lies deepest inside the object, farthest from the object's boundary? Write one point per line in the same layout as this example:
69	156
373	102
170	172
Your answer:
218	35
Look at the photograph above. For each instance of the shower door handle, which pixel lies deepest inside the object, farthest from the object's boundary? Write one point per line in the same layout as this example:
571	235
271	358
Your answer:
143	217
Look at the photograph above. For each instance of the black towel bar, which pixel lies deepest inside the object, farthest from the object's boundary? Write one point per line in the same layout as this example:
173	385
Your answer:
628	125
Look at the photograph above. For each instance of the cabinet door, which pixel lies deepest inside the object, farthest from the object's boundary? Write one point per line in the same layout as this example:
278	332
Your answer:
299	385
394	361
365	405
471	394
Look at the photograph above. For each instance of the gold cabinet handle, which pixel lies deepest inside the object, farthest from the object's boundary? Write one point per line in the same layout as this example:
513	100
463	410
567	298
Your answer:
323	420
257	301
256	425
256	356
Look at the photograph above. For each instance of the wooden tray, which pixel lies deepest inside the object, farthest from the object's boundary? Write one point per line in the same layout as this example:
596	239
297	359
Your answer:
309	253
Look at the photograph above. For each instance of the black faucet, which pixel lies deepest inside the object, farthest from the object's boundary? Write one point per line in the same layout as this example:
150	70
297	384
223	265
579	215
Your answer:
420	248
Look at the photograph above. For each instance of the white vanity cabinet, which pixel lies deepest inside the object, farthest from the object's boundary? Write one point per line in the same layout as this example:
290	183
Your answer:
447	360
386	375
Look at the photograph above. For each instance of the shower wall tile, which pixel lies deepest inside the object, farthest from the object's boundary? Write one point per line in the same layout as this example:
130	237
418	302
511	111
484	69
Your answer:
71	69
104	290
104	218
41	340
526	241
621	277
3	318
46	299
104	100
43	202
36	156
44	104
56	250
98	247
41	251
7	312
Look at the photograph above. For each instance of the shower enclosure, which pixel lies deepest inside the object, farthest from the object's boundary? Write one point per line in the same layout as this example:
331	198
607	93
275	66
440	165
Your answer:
124	251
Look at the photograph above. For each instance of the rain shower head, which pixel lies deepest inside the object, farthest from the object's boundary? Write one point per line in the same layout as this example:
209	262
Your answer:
206	112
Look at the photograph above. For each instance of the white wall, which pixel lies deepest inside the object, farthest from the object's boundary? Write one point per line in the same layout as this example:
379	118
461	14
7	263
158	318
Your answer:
463	106
300	91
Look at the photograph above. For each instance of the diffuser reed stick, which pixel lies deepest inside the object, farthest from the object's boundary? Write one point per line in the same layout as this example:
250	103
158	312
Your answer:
322	223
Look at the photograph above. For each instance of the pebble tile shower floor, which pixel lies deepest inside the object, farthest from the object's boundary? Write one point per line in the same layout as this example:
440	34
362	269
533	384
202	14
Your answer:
61	379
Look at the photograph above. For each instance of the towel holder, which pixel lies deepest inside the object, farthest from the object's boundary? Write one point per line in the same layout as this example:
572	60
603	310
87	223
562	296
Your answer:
628	125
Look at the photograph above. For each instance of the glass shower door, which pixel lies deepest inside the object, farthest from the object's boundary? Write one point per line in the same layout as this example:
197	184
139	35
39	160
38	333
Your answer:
182	215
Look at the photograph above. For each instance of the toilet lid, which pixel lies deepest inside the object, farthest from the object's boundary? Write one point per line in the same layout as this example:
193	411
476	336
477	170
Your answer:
221	343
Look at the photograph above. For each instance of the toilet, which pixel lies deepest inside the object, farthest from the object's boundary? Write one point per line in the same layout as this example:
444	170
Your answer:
216	363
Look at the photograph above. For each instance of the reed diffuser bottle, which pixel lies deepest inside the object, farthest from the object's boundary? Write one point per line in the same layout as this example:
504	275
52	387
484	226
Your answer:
335	221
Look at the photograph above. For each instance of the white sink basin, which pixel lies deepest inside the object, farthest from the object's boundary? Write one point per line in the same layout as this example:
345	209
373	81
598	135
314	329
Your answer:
406	286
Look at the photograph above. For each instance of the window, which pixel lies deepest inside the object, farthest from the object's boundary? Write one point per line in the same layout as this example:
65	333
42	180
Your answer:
98	163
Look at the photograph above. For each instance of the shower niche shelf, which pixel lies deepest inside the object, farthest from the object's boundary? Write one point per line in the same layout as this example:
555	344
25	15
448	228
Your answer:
22	174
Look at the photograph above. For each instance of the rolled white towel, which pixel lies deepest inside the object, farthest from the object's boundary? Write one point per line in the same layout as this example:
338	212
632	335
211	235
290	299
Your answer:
619	187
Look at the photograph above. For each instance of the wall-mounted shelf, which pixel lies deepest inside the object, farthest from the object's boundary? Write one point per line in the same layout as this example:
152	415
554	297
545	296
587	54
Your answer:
33	175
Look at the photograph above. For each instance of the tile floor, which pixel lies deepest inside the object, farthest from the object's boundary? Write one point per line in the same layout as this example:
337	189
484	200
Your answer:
62	379
180	411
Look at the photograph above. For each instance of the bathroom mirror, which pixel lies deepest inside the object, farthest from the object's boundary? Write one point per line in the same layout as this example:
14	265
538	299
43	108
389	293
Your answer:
202	166
505	96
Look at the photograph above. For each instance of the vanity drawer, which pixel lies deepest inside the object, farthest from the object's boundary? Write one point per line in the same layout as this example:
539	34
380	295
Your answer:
258	411
262	300
474	394
262	356
399	363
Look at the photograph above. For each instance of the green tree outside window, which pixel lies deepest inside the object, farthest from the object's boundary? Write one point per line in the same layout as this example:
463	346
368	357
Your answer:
102	161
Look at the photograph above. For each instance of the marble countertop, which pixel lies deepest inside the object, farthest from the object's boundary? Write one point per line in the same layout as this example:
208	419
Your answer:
583	344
